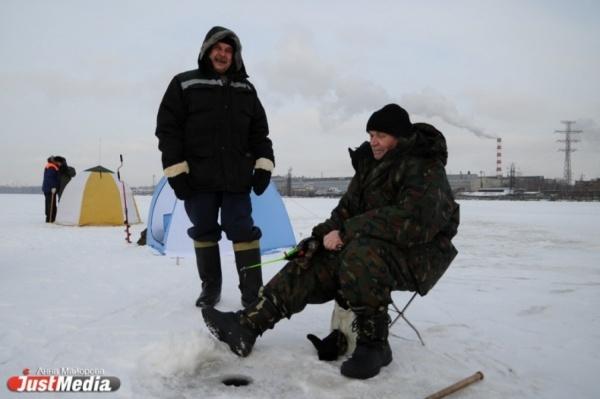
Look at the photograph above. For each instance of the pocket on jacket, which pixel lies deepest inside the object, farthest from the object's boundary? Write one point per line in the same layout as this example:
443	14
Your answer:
203	169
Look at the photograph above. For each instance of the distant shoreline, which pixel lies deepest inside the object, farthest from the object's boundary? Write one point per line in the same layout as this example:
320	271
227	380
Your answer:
38	190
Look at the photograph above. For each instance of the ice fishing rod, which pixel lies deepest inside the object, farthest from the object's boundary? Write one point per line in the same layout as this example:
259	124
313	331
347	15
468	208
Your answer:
289	255
126	222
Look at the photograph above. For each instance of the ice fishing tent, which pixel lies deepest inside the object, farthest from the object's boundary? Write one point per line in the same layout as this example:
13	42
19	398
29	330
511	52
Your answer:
168	222
95	198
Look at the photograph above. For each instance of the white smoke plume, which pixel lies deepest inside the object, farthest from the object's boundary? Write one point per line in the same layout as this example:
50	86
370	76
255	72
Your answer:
301	71
430	103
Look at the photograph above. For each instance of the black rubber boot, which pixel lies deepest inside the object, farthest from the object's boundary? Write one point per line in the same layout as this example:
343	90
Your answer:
240	329
208	261
372	348
250	279
228	327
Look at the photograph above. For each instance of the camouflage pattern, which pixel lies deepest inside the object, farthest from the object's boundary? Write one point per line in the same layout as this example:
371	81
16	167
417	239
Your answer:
403	203
396	221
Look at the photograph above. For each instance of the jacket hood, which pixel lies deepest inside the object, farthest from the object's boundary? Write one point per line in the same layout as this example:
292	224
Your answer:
430	143
215	35
364	151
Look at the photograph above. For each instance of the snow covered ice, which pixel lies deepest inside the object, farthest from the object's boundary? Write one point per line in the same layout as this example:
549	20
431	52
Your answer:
520	303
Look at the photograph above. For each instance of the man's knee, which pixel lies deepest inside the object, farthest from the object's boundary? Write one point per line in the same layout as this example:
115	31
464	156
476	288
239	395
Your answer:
365	278
360	256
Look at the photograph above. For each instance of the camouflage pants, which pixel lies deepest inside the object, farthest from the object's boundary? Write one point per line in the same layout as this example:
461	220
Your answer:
361	277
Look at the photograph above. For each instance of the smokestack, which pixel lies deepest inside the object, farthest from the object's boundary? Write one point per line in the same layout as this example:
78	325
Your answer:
498	157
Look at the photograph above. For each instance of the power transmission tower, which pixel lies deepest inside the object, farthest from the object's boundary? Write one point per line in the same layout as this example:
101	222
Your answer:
568	140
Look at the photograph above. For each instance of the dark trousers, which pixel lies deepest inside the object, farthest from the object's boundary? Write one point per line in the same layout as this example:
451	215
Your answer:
50	207
236	217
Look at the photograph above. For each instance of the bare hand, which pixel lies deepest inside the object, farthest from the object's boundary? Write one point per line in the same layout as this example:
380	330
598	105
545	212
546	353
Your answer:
332	241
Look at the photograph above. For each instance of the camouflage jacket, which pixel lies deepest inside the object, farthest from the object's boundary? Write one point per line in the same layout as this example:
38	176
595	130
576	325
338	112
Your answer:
403	203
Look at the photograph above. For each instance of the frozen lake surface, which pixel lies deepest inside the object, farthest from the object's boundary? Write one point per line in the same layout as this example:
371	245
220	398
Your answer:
520	303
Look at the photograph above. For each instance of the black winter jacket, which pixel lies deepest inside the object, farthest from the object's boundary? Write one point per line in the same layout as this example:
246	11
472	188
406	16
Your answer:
213	127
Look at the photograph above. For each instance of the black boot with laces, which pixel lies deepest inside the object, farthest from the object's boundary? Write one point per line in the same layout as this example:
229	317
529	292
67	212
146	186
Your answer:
372	347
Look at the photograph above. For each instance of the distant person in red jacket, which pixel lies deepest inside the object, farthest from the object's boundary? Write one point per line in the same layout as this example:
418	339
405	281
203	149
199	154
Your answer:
50	187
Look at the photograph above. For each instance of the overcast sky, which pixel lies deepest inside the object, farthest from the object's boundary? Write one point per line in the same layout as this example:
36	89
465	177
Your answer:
84	79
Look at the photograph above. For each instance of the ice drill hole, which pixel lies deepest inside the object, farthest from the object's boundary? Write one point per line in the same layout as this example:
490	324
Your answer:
237	381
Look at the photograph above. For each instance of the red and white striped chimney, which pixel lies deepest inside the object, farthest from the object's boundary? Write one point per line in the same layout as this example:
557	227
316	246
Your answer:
498	157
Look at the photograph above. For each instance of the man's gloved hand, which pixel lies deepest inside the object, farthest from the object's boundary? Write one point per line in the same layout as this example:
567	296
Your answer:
181	186
330	347
306	248
260	181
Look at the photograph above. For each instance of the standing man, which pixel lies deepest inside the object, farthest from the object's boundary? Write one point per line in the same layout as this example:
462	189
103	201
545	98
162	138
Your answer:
391	230
65	174
213	134
50	187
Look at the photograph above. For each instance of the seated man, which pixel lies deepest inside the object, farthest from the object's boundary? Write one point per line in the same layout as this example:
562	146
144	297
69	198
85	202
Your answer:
390	231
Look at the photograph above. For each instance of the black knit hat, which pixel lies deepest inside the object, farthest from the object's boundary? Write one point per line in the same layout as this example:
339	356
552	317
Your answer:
391	119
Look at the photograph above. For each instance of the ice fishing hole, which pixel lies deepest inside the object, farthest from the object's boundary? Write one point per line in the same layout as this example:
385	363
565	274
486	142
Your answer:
236	381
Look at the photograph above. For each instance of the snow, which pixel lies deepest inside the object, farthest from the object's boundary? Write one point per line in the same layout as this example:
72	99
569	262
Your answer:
520	303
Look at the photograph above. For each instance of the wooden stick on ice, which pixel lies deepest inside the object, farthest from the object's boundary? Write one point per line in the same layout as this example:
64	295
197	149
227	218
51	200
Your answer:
457	386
